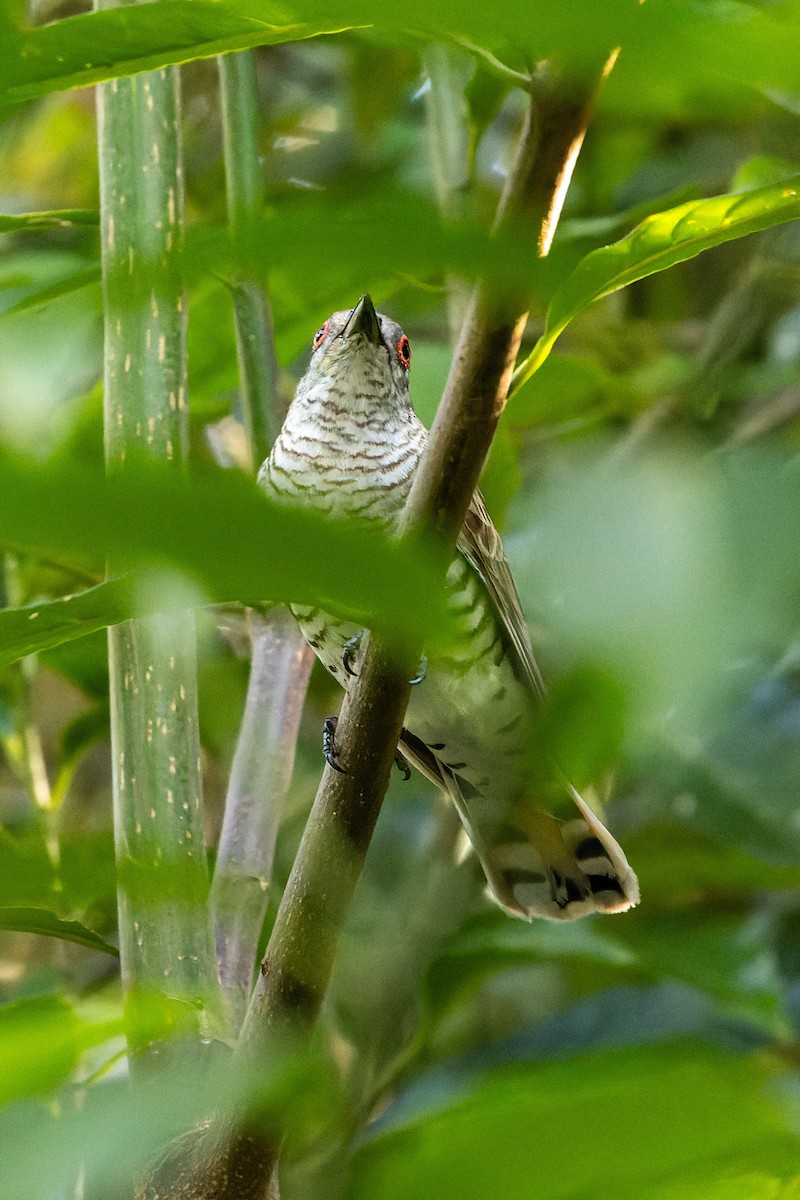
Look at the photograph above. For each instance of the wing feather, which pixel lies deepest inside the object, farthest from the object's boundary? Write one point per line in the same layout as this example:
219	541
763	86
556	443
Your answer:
480	544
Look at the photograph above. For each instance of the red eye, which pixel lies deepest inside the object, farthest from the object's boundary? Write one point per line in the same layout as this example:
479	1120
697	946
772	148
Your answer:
404	352
319	336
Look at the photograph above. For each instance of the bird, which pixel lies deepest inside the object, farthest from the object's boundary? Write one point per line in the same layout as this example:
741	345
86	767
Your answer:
349	447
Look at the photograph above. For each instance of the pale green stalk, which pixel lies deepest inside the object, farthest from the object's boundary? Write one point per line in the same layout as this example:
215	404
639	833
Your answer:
255	345
448	69
281	661
165	934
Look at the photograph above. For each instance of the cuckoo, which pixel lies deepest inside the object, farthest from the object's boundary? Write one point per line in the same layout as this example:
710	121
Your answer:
349	446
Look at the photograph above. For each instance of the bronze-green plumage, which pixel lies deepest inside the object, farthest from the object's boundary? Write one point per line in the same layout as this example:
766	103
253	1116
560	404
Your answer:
350	445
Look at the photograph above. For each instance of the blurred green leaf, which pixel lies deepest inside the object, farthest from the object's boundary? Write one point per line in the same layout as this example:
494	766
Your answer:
220	530
41	626
87	872
714	952
492	943
40	920
564	388
676	43
63	218
581	725
751	1186
659	242
91	47
41	1041
116	1131
27	875
676	864
37	297
648	1117
39	1045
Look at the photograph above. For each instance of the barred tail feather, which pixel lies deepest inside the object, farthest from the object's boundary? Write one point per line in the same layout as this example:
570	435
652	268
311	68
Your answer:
564	870
559	870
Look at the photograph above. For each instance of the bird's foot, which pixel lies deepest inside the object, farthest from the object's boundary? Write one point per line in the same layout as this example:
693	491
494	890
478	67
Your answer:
329	744
402	765
349	652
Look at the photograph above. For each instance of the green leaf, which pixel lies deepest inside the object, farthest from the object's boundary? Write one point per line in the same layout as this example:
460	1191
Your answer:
581	726
713	952
27	875
492	943
37	627
57	219
41	1041
92	47
219	530
659	242
39	1045
675	864
40	296
41	920
641	1118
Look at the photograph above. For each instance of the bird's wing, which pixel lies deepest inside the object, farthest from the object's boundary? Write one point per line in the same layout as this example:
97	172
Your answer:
557	869
480	544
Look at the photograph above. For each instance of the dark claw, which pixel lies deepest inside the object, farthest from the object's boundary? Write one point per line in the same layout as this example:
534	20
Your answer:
422	671
351	649
402	765
329	744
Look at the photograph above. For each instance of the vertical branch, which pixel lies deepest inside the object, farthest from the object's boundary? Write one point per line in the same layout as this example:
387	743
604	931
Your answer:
260	776
255	343
165	941
281	660
448	69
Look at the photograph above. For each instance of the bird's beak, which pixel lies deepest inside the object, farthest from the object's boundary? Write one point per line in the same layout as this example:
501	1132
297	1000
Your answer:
363	319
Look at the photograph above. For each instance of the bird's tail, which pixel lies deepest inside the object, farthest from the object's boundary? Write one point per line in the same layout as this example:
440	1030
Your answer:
560	870
538	866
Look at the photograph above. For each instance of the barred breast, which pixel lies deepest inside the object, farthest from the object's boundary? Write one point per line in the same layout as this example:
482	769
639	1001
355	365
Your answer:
471	709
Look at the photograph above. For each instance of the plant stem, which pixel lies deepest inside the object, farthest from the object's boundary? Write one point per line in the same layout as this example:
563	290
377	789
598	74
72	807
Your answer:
281	660
260	776
165	936
448	69
255	344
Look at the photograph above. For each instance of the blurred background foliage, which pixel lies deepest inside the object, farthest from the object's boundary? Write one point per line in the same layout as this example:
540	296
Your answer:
647	482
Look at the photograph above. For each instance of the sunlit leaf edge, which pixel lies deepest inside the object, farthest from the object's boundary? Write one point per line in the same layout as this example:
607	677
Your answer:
659	242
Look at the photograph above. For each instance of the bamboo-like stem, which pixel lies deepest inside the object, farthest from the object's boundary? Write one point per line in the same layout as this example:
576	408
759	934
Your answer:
165	934
260	776
255	344
447	68
237	1164
281	660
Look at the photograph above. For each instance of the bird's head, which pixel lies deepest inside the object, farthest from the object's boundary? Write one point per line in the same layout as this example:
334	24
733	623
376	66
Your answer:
360	358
